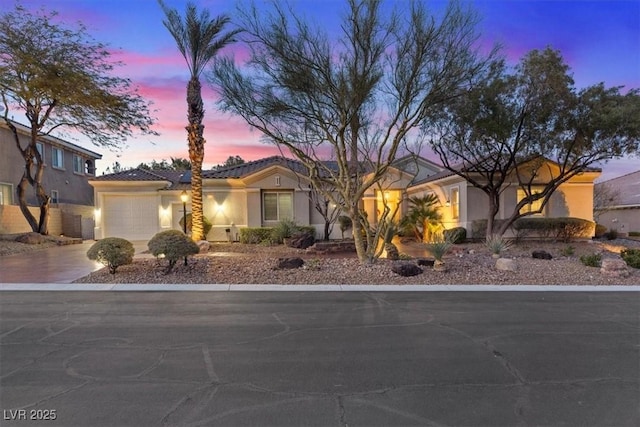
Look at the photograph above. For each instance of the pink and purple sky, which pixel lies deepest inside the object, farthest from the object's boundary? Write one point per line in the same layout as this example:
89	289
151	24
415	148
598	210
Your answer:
600	40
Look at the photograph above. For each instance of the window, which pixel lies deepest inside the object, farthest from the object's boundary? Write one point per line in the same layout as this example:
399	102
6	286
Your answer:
78	164
455	203
6	194
40	148
89	169
277	206
54	196
57	158
530	207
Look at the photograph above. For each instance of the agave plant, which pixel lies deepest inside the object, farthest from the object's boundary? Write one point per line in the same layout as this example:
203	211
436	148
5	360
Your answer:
497	245
438	248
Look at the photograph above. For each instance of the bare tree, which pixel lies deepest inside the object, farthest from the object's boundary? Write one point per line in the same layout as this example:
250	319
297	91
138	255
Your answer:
605	197
61	78
355	99
530	125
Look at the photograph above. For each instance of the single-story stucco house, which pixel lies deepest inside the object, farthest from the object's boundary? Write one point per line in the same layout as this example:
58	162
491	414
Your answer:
624	215
136	204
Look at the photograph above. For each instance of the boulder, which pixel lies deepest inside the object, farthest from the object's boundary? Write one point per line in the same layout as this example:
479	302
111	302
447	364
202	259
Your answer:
392	251
289	263
405	268
301	241
204	246
541	254
614	268
31	238
426	262
506	264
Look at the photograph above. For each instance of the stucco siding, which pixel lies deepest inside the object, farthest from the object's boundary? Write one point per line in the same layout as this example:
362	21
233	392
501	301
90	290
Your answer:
622	220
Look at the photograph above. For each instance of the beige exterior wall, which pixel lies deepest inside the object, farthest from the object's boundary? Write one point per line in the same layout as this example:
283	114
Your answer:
72	187
622	220
69	220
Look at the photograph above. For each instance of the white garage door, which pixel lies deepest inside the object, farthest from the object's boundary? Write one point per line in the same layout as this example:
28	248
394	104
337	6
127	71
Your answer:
130	217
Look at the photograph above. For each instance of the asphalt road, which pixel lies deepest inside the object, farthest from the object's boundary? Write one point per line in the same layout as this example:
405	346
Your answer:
319	359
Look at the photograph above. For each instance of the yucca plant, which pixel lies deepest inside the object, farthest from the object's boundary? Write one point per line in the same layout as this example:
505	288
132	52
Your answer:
438	248
497	245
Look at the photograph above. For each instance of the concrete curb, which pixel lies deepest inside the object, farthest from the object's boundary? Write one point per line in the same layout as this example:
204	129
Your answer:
124	287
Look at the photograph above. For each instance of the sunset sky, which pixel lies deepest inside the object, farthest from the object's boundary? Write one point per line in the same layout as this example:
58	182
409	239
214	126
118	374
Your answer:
600	40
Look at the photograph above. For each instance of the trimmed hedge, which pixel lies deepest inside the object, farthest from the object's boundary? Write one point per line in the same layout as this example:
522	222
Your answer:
600	230
254	235
455	235
274	235
565	228
173	245
112	252
479	228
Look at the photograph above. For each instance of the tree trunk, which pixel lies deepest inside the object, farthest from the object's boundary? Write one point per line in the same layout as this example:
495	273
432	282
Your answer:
195	132
21	191
327	226
494	207
359	240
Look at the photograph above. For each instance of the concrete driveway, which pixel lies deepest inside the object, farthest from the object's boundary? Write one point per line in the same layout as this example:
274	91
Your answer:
319	359
59	264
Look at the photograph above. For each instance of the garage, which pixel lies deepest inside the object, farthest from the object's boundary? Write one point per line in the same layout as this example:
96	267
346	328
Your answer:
130	217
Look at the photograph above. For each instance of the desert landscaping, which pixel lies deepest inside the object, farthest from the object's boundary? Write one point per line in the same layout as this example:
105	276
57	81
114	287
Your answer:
469	264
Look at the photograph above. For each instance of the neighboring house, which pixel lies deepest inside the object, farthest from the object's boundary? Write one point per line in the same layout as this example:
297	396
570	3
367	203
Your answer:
624	214
136	204
67	169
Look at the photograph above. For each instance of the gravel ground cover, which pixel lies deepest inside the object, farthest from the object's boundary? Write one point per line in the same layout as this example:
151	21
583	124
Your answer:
8	245
469	264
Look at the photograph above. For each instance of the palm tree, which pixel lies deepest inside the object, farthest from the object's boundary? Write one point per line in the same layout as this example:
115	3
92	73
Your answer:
199	39
423	218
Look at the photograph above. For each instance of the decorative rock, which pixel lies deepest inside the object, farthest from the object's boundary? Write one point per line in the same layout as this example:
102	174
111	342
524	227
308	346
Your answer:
614	268
506	264
289	263
405	268
392	251
31	239
541	255
426	262
204	246
301	241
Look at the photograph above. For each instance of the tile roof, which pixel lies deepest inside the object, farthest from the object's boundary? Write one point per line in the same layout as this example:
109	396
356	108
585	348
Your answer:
142	175
25	130
627	186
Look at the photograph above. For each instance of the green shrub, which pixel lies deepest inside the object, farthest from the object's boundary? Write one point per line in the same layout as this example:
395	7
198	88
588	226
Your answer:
568	251
564	228
456	235
172	245
593	260
600	230
345	223
631	257
112	252
255	235
206	224
634	234
611	234
283	230
479	228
